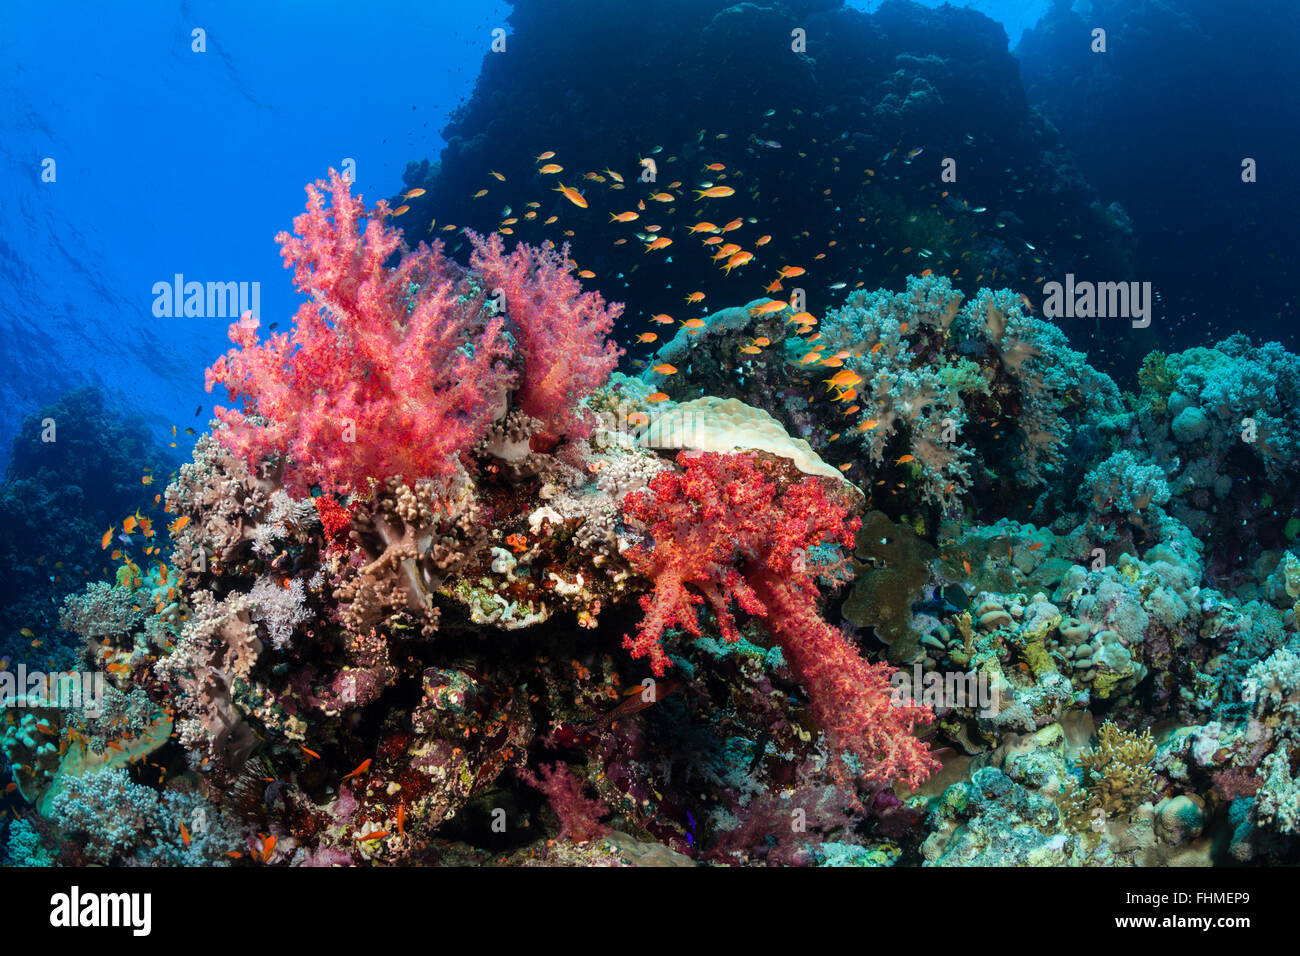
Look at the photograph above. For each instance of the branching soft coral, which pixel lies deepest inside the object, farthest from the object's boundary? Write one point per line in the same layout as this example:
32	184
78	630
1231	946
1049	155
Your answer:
561	330
738	528
388	371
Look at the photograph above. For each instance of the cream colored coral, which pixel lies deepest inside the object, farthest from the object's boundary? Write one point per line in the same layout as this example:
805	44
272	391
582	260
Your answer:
727	425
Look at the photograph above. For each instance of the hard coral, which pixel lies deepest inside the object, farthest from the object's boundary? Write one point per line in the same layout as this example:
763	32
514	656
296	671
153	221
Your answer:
388	370
738	528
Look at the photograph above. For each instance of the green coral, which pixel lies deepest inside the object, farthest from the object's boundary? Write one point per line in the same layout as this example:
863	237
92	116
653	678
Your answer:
892	565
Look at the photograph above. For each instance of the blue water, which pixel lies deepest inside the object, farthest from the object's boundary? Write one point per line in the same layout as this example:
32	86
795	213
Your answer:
171	161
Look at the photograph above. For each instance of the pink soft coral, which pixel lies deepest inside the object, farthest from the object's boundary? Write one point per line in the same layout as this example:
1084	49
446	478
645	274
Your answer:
561	330
737	528
388	371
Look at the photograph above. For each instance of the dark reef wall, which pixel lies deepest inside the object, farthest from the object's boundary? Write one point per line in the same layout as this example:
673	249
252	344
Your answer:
833	152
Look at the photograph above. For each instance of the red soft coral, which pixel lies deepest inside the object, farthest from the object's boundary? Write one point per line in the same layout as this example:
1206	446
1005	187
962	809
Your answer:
560	330
388	370
736	528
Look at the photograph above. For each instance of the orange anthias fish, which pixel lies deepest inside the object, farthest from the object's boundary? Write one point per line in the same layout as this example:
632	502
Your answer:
695	297
401	210
572	195
663	242
846	378
739	259
364	766
268	847
185	836
655	397
663	319
692	324
376	835
413	194
401	819
107	539
546	155
551	169
768	307
789	272
905	459
714	192
645	337
624	216
665	369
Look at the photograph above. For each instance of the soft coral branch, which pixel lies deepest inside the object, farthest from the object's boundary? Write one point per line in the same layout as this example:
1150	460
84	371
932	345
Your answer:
736	528
561	330
388	371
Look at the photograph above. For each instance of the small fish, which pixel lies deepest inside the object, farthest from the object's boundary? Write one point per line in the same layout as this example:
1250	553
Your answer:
413	193
623	216
693	324
903	460
401	210
362	768
645	337
656	397
695	297
546	155
107	539
737	260
376	835
715	192
664	197
663	242
868	425
638	419
768	307
572	195
479	195
499	177
663	319
310	753
401	819
178	524
185	836
665	369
